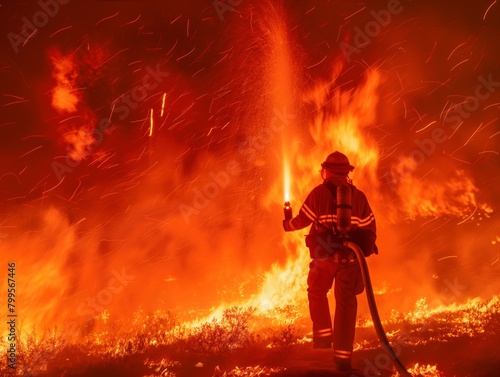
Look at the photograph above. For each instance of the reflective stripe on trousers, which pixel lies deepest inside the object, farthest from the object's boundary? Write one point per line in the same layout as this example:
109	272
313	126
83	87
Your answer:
339	354
348	284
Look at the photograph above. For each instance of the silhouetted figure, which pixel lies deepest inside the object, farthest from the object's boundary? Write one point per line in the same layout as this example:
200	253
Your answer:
331	260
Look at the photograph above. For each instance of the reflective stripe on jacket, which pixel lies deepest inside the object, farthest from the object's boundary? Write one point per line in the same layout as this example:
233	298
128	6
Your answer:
320	205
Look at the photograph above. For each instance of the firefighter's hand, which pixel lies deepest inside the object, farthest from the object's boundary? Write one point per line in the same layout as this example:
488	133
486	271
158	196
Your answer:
285	225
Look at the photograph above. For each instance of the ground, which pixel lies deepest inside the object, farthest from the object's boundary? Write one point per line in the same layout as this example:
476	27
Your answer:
461	357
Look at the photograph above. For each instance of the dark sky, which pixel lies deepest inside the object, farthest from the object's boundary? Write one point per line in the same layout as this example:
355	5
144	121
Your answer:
436	50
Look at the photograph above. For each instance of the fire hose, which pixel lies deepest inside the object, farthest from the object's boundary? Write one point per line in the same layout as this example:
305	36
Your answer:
373	309
344	207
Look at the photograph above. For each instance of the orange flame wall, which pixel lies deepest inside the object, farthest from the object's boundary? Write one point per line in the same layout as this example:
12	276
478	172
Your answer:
190	218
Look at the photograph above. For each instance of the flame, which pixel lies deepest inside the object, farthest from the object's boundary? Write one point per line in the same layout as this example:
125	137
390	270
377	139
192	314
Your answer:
454	195
79	136
44	269
341	123
428	322
255	371
64	96
77	131
424	371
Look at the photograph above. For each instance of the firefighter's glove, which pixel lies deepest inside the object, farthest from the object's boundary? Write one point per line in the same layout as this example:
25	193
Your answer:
286	227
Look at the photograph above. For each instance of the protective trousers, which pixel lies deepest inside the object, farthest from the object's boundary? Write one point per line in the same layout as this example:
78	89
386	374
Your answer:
348	284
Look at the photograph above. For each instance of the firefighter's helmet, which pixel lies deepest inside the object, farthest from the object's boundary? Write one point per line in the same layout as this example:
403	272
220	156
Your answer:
337	163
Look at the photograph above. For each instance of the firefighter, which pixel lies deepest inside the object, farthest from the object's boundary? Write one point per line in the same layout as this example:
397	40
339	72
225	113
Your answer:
319	209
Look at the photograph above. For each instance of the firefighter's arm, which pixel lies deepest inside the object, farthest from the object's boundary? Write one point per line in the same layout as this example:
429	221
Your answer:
303	219
365	234
367	218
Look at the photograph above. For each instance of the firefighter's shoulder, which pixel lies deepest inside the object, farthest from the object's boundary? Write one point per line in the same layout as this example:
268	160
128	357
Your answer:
357	192
319	189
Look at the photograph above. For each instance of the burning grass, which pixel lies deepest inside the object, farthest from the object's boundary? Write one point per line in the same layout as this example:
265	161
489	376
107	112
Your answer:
475	318
241	342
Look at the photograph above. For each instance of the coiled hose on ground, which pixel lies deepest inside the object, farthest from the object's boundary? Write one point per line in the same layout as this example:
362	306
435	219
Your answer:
374	312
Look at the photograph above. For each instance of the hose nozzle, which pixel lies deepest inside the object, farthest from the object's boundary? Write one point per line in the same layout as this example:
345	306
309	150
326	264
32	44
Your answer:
288	211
